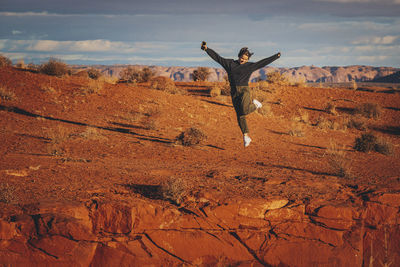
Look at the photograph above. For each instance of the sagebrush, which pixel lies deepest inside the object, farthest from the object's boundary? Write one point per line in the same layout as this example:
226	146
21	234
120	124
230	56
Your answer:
191	137
54	67
4	61
370	142
201	74
136	74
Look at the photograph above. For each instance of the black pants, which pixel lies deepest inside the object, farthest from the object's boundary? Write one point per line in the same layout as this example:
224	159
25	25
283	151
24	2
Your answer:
242	102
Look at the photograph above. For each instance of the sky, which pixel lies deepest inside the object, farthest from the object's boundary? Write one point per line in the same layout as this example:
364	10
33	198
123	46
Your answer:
170	32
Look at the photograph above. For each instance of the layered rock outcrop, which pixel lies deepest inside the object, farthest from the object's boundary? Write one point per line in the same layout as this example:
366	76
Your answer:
257	232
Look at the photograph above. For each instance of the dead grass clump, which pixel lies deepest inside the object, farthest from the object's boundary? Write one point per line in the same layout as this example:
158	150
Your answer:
110	79
151	116
368	110
300	82
92	134
357	122
330	108
369	142
48	88
6	94
265	110
54	67
266	86
323	123
175	190
165	84
200	74
303	117
297	129
354	85
191	137
92	87
215	91
56	138
7	193
20	64
4	61
337	160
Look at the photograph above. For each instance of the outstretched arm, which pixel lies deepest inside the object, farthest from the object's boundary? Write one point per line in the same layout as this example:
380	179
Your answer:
222	61
264	62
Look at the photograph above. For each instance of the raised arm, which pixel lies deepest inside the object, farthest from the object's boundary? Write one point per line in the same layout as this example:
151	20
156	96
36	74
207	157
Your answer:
264	62
222	61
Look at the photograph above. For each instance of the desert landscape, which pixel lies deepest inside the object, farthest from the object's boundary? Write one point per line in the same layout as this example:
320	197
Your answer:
96	172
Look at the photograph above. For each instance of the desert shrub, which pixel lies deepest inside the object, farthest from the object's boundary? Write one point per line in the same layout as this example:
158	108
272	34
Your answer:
368	110
369	142
277	78
57	137
174	189
191	137
146	75
4	61
135	74
94	74
6	94
130	74
54	67
165	84
331	124
201	74
337	160
384	147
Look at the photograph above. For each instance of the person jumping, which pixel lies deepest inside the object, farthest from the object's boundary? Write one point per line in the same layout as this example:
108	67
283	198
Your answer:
239	72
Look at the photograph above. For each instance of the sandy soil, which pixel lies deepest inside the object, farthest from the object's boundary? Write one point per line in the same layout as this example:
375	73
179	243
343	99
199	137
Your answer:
63	143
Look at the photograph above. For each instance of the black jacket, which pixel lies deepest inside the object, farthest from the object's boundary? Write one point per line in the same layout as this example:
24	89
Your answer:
239	74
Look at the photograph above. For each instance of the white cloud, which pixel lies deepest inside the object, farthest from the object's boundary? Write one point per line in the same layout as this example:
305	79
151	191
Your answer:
68	46
377	40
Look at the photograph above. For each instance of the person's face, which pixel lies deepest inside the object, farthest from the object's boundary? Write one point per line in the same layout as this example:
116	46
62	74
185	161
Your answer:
243	59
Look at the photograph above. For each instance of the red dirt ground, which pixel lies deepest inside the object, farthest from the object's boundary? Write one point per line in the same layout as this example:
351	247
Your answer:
63	146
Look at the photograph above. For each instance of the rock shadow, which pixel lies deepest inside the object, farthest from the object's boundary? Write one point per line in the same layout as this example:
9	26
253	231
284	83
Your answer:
112	129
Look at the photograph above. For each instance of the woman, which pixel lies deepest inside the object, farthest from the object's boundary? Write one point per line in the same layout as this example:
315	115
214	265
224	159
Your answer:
239	72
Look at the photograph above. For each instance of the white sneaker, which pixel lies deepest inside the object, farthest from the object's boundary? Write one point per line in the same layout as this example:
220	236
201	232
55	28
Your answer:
246	140
257	103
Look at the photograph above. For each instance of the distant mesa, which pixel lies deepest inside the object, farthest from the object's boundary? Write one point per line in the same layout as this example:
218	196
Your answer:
330	74
392	78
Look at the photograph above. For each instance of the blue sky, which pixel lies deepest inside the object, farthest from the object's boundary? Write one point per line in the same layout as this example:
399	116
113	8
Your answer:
169	33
